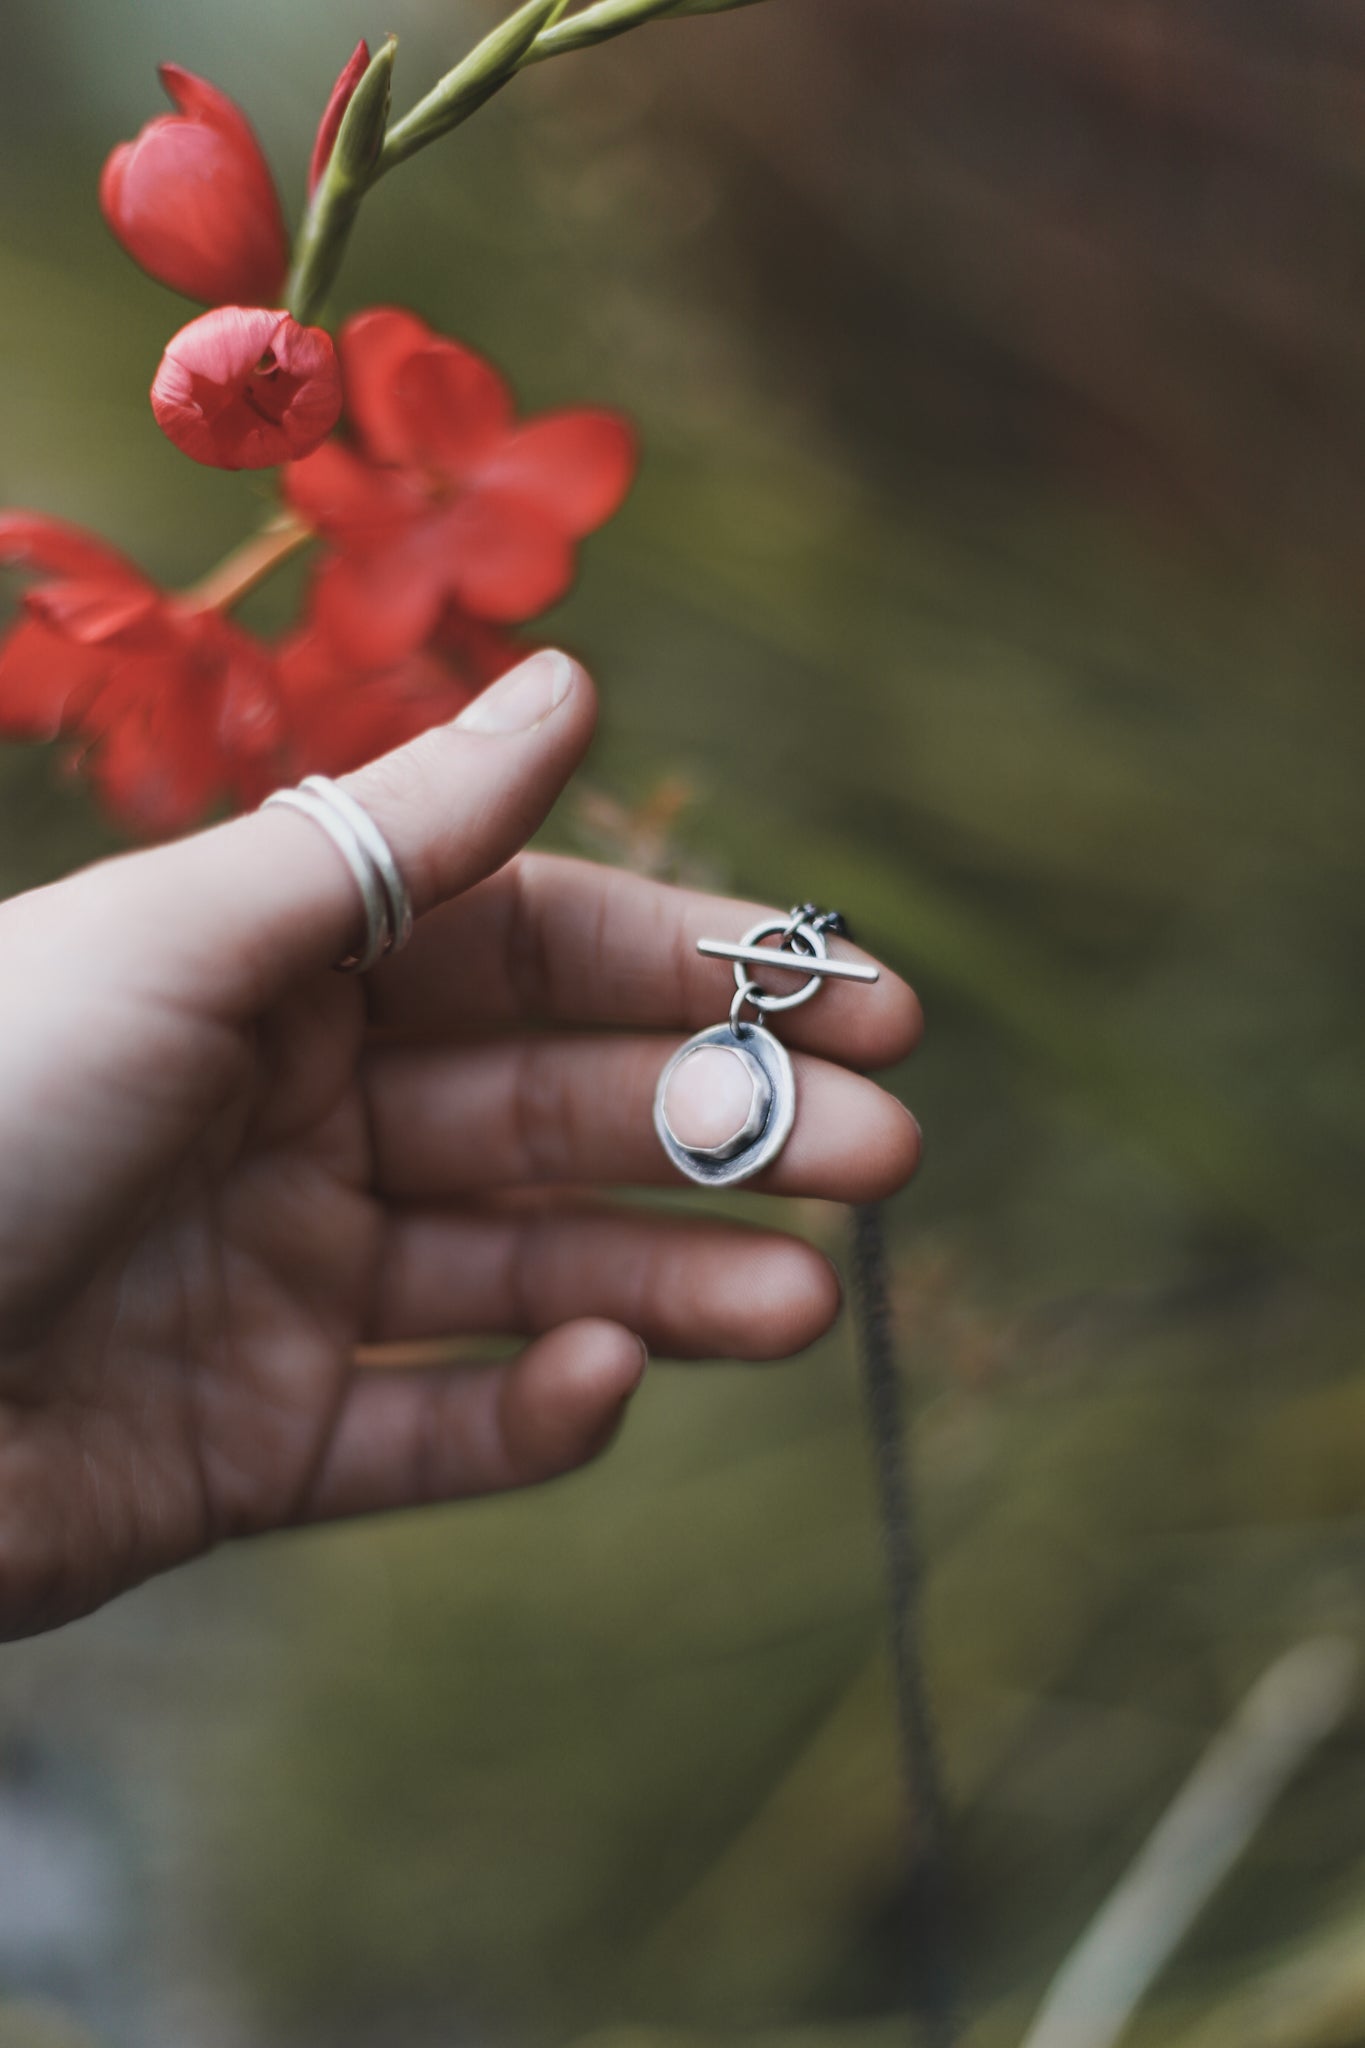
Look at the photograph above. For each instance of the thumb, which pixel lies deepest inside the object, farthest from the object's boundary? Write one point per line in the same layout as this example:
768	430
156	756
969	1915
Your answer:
247	906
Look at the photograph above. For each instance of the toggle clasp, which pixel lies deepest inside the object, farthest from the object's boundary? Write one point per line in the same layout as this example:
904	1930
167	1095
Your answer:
801	950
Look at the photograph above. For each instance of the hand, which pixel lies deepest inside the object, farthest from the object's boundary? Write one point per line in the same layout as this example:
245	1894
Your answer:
223	1167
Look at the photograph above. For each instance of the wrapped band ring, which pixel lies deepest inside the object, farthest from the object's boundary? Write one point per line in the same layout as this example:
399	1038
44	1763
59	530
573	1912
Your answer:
368	855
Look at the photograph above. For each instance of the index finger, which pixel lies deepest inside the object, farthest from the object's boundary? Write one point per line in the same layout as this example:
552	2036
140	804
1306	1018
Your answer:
551	940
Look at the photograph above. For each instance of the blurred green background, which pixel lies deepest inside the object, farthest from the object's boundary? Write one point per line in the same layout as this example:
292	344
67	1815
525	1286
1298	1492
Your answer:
994	573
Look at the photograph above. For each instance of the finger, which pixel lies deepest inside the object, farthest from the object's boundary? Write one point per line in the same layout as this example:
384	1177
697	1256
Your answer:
691	1288
566	941
449	1122
407	1439
232	914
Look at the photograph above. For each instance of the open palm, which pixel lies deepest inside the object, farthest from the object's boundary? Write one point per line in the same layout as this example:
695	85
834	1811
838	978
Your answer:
225	1169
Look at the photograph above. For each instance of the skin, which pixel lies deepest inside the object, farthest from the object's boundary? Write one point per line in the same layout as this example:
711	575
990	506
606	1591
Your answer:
224	1167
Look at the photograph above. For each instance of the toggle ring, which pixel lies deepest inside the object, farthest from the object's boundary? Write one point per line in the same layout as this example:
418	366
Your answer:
791	931
368	855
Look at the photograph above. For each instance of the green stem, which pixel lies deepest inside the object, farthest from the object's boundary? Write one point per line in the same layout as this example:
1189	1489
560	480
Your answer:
320	246
535	32
486	69
598	24
257	557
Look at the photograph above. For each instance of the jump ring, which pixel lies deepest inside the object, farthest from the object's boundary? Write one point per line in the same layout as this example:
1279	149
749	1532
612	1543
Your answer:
747	992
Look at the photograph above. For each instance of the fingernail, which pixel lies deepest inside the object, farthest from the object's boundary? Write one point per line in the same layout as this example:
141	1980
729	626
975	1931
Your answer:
524	699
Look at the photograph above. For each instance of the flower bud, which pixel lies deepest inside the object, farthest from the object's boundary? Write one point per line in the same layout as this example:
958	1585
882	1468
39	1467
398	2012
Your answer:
345	156
357	64
192	200
365	118
245	387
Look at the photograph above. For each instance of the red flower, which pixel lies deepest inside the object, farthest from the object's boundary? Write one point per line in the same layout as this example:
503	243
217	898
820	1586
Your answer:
192	199
51	664
243	387
357	64
338	719
189	716
170	708
175	708
446	499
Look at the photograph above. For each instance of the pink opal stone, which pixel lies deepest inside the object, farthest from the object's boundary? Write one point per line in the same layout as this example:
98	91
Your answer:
709	1098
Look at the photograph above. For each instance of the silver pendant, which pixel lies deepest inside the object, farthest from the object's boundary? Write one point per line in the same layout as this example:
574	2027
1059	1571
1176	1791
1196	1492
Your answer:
726	1101
764	1063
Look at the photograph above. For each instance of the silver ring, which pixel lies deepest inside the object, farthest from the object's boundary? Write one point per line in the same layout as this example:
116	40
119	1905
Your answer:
378	848
366	852
791	929
747	992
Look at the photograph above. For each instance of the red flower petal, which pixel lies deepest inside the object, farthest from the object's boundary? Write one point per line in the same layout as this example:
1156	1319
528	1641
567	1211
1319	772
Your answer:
45	681
152	758
199	100
478	651
375	608
192	200
575	467
452	405
357	64
506	561
94	610
247	720
372	345
339	720
246	388
181	725
176	705
339	492
416	398
30	540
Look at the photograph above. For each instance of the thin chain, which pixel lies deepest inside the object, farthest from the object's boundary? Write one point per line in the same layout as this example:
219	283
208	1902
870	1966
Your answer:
929	1965
930	1973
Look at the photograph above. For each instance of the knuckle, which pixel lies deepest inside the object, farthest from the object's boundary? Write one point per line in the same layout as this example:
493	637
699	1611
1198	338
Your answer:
526	939
542	1113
